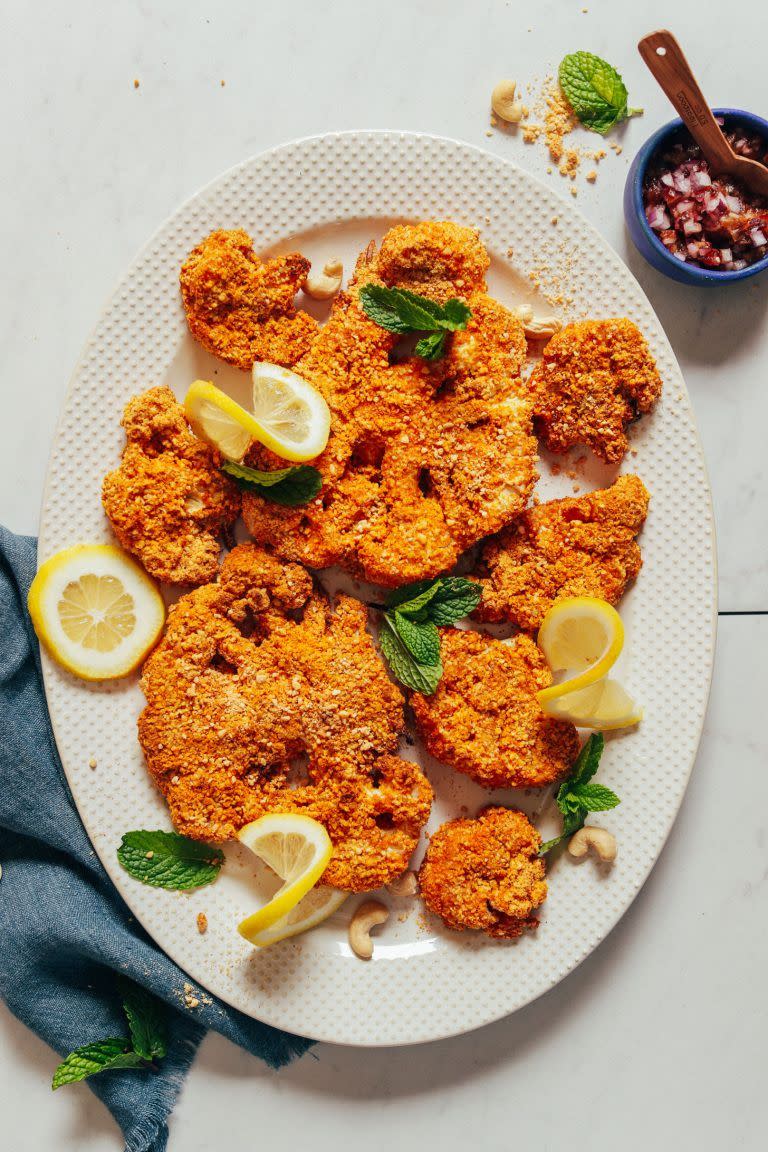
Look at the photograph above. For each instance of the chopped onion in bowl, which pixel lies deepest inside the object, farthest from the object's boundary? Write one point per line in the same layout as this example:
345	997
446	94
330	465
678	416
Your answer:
699	216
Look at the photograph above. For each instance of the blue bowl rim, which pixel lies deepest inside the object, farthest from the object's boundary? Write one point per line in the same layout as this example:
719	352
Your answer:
644	154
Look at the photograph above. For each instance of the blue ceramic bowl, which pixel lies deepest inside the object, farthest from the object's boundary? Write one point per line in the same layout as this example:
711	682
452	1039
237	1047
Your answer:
645	239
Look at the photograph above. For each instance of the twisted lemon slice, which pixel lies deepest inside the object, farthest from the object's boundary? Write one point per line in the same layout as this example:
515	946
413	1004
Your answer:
584	636
95	610
289	416
298	849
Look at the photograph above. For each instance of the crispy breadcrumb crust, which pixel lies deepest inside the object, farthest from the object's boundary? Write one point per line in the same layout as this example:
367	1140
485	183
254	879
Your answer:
485	873
484	719
241	309
595	378
424	459
581	546
168	500
256	671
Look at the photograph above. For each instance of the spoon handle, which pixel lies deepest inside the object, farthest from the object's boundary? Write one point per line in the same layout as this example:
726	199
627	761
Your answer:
664	57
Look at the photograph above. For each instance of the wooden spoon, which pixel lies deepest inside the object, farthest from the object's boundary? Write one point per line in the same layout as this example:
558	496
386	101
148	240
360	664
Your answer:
665	58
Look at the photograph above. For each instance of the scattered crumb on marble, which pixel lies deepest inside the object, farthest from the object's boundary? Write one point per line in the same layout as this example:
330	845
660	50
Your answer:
592	176
135	83
223	83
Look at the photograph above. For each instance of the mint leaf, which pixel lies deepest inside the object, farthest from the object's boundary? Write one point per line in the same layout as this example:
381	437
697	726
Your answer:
290	487
401	311
431	347
456	314
594	797
168	860
97	1057
146	1020
422	678
421	639
456	597
595	91
588	760
398	310
411	598
572	821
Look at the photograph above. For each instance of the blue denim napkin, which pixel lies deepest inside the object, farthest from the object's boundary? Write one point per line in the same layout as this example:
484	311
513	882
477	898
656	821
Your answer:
66	933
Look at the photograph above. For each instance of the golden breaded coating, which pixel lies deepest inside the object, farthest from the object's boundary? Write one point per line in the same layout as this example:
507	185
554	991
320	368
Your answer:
596	377
240	308
168	500
485	873
424	459
257	671
581	546
484	719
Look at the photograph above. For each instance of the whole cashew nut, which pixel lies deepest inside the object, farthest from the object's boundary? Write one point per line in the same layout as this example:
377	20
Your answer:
600	840
504	104
368	915
404	885
323	285
536	328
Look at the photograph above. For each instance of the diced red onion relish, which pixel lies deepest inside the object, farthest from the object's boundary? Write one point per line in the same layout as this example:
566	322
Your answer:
702	218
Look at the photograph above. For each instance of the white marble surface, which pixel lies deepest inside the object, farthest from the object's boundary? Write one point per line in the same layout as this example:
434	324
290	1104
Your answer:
657	1039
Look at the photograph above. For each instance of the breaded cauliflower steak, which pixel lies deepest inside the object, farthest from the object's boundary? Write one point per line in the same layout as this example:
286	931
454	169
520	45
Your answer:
485	873
424	459
484	719
595	378
579	546
240	308
256	671
168	500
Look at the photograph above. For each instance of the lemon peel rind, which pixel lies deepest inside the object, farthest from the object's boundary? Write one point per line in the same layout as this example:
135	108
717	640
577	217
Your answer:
601	667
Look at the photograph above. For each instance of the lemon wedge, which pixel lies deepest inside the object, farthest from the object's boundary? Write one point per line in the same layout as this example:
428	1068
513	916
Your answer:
581	635
95	610
297	848
604	705
289	416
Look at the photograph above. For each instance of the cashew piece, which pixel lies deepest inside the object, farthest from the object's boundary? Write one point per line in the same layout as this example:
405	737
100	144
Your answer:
599	839
504	104
323	285
406	884
367	916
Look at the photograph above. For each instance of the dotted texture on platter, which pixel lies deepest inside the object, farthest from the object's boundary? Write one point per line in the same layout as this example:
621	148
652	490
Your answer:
424	982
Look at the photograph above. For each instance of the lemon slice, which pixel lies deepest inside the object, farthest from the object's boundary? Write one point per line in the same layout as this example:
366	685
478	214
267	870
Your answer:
583	636
298	849
289	416
95	610
604	705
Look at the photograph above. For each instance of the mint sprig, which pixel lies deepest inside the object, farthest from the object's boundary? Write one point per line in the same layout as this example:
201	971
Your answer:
146	1022
410	640
290	487
405	312
576	797
168	860
595	91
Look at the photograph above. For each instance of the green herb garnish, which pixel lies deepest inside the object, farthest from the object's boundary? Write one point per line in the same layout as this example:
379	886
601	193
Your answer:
168	860
576	797
409	637
291	487
595	91
147	1043
404	312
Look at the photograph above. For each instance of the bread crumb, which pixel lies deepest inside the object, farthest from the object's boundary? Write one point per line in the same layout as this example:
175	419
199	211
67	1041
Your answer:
489	132
574	191
223	83
92	762
149	855
531	133
554	220
135	83
202	922
592	176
